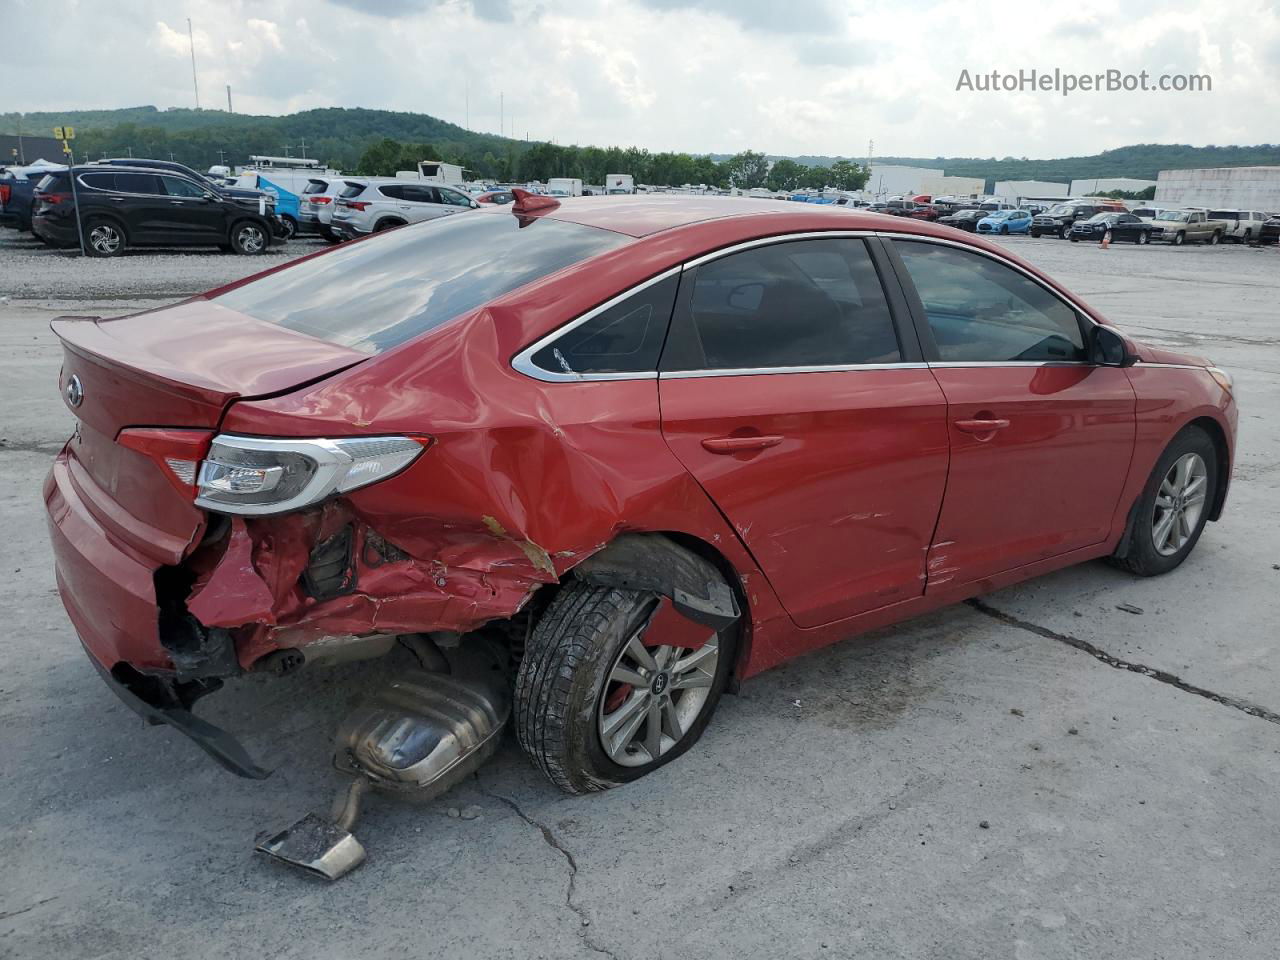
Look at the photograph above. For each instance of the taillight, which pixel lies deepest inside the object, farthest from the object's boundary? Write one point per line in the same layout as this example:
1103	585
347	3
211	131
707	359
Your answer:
5	190
177	452
357	204
319	199
254	476
52	198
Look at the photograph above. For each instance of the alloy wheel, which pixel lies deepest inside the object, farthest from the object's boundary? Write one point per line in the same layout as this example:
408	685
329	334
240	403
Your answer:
652	697
1179	503
251	239
104	238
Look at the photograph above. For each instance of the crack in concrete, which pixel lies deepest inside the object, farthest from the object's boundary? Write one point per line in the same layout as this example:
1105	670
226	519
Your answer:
1163	676
550	838
31	446
38	903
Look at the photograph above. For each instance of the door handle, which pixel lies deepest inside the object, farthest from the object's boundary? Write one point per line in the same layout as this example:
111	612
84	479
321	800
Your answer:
176	203
981	426
739	444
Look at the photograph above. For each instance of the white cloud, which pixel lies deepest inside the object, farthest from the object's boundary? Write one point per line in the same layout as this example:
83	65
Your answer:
811	76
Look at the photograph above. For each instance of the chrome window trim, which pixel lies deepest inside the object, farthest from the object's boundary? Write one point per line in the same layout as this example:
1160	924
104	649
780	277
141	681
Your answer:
777	238
523	361
1171	366
762	371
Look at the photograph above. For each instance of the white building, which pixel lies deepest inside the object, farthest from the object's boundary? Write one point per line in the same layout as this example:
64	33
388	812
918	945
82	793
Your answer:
1233	188
889	180
953	186
1015	190
1092	188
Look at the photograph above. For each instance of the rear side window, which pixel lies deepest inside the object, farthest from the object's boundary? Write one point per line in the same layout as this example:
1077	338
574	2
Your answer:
376	294
981	311
793	304
99	181
393	190
625	338
138	183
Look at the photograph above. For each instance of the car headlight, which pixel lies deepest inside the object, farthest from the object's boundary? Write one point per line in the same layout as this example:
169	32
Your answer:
255	475
1223	379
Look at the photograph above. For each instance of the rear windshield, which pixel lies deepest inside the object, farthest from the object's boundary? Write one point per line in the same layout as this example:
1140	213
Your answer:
1224	214
315	186
351	190
380	292
53	181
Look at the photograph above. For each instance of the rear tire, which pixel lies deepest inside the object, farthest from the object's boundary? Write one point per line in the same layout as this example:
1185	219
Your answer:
1168	519
103	238
248	238
1215	239
1035	234
568	681
387	225
1143	237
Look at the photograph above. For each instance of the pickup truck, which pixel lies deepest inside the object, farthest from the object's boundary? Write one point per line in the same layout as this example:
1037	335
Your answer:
1180	226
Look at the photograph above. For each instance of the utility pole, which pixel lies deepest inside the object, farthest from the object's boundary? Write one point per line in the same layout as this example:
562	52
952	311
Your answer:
304	148
222	157
229	110
466	122
191	39
501	113
22	154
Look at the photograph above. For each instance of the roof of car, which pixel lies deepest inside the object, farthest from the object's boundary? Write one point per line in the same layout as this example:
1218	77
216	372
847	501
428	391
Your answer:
642	215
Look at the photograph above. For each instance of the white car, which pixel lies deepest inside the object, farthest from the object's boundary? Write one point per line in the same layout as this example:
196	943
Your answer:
1242	225
316	203
367	206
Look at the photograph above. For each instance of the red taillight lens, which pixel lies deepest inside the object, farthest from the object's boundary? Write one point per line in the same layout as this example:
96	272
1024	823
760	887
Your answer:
5	190
319	199
53	198
178	452
357	204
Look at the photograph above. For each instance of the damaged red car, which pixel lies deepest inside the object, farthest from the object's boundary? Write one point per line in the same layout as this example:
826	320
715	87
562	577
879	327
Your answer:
634	450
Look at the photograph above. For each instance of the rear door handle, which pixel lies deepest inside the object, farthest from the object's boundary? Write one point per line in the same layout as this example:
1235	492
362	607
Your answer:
981	426
176	203
738	444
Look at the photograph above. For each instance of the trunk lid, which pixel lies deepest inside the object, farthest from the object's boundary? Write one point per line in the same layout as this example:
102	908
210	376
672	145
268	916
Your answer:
178	367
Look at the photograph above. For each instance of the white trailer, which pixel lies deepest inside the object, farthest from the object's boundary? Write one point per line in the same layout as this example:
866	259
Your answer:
619	183
564	187
434	171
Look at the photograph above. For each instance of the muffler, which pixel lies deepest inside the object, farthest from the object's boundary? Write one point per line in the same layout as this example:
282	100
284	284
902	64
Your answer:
418	736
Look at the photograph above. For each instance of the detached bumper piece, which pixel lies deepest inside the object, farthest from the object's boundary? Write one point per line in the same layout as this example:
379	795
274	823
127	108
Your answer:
421	735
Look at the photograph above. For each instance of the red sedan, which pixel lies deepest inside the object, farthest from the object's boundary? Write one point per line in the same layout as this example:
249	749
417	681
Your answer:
651	446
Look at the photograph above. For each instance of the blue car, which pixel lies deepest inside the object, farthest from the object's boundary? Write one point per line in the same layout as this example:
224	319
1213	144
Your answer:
1006	221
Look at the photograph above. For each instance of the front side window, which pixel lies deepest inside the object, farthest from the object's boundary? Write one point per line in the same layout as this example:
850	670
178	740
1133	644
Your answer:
177	187
792	304
981	311
453	198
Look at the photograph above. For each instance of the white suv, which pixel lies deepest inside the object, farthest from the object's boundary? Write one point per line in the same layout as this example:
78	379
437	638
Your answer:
367	206
1242	225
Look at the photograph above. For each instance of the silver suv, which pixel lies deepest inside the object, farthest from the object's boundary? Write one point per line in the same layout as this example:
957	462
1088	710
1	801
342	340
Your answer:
367	206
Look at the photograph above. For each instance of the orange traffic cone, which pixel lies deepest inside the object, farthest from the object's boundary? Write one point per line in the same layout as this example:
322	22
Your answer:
1106	240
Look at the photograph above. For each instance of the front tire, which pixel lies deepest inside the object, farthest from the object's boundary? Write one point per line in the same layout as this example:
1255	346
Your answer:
1174	506
1179	238
102	238
598	702
248	238
290	226
1035	234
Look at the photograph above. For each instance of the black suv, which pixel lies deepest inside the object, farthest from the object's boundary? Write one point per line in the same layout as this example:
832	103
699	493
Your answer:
1058	220
143	207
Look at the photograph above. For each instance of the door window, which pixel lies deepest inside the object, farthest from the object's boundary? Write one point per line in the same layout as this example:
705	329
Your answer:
981	311
455	199
147	183
177	187
394	191
797	303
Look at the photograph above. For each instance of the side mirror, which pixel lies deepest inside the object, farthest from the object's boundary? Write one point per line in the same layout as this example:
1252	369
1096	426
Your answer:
475	205
209	197
1108	348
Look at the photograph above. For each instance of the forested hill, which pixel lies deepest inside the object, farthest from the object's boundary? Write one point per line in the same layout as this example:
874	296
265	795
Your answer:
341	137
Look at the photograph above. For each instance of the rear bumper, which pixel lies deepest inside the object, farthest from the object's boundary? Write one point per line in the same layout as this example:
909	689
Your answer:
60	232
346	229
109	595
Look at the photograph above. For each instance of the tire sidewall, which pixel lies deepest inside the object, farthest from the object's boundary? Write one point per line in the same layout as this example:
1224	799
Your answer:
1142	550
102	222
235	238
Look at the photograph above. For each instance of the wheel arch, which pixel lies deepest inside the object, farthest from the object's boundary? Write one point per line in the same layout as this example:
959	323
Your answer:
112	218
1219	437
387	223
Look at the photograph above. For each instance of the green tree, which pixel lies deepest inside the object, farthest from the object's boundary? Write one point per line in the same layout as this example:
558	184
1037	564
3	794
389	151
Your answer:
847	175
748	169
382	159
785	174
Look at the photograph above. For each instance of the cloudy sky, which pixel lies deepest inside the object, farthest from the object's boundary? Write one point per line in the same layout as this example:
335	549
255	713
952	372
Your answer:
795	77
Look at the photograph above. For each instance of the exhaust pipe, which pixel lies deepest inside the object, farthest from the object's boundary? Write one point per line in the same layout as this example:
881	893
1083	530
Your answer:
419	736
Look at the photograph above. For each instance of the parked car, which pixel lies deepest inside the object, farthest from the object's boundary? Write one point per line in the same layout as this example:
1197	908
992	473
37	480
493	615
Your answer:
1005	222
365	207
1111	227
1270	232
122	207
253	198
1058	220
316	204
1147	213
1180	226
965	220
495	196
1241	225
17	194
583	431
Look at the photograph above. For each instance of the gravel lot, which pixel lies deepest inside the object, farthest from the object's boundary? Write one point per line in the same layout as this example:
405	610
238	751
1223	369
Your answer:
972	784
